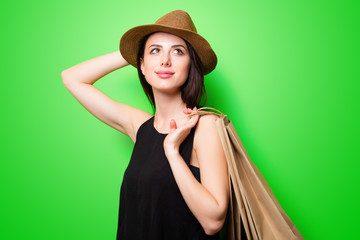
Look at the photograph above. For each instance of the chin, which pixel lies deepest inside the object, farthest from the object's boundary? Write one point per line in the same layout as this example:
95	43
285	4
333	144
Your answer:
166	85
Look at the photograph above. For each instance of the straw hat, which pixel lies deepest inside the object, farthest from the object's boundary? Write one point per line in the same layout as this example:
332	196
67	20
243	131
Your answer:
176	22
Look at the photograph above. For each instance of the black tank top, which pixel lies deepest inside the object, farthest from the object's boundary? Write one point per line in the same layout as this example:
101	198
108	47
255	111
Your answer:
151	204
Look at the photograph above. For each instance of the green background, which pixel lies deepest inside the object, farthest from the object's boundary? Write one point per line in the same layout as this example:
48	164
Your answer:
287	76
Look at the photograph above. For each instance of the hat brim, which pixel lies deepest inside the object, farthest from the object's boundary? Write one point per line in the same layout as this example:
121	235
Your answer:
129	44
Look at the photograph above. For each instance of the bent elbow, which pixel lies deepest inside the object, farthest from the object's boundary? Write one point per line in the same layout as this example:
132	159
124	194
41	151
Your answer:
213	227
67	79
64	76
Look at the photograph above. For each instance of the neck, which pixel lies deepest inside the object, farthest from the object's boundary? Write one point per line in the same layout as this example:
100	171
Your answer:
168	106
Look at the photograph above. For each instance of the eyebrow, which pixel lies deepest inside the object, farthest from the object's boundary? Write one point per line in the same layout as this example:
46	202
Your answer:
176	45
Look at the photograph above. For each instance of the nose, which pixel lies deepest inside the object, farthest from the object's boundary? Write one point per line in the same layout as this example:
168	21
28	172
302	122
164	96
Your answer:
165	61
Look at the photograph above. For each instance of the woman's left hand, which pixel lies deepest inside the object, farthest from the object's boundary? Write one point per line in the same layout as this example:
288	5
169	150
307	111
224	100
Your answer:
177	134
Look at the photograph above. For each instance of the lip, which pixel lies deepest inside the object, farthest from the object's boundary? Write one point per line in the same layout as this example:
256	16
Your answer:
164	74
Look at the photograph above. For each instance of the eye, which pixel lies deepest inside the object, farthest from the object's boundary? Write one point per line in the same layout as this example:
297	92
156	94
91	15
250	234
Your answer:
155	50
178	51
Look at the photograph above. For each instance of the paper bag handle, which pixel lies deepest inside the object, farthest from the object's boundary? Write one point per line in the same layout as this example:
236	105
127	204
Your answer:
206	111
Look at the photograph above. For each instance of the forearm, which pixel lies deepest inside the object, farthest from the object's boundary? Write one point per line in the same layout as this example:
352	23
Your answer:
92	70
209	212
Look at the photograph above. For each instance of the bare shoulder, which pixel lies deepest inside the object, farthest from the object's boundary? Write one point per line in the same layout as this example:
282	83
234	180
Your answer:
206	133
206	125
208	119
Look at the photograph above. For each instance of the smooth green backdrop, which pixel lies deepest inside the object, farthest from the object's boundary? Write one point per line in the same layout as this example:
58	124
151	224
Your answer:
287	76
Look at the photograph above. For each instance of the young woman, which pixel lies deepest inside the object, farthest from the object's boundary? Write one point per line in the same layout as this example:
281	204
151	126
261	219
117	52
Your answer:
176	185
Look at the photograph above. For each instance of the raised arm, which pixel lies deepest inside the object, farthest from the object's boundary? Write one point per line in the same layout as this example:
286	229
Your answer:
79	80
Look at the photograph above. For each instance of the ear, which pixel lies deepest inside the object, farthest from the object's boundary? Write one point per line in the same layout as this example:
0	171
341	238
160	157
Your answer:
142	65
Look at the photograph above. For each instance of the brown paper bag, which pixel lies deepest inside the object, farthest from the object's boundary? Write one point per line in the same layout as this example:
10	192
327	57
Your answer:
253	206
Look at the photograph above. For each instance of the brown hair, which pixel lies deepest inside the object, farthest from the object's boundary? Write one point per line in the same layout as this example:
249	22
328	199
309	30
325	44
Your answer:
192	90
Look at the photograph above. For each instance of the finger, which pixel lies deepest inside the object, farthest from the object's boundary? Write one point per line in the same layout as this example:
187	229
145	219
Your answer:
173	125
192	121
187	111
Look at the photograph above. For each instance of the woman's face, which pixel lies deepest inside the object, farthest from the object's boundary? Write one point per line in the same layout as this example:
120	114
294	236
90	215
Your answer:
166	62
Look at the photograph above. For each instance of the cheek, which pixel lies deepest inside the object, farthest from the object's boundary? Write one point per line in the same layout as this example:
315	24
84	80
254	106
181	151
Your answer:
184	65
142	68
188	63
147	67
